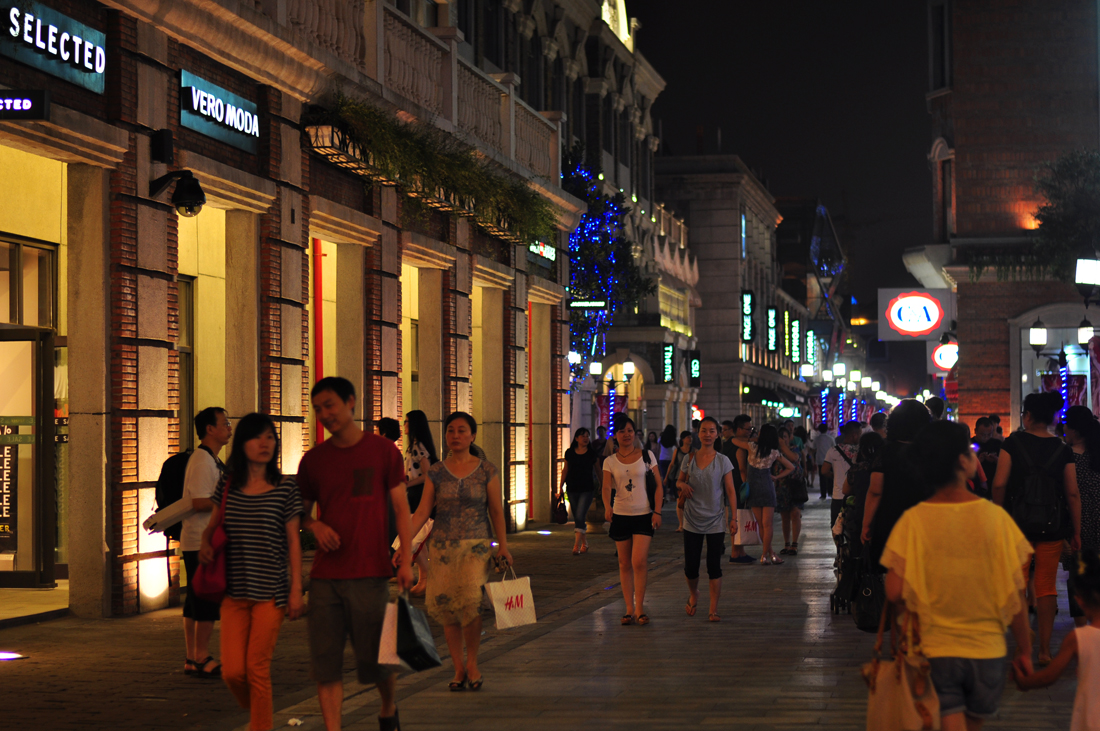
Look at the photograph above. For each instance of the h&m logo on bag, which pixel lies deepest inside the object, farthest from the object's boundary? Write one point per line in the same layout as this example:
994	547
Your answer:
513	602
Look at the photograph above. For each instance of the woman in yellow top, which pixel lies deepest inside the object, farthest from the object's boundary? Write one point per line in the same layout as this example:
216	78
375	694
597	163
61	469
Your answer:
965	600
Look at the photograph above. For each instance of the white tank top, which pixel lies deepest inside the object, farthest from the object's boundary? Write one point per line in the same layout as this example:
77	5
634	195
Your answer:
1086	706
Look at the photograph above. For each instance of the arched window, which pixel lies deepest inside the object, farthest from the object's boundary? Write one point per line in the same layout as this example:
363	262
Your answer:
942	158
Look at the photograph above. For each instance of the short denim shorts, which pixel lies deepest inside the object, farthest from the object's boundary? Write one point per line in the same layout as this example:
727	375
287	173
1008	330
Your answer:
967	685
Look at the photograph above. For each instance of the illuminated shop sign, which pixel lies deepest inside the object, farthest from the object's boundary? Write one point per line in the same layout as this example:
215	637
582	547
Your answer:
694	368
748	325
915	314
811	348
796	341
588	304
211	110
773	329
49	41
787	333
668	362
546	251
15	104
945	356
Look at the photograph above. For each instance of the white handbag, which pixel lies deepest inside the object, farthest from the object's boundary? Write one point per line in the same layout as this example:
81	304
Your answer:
387	647
512	601
748	531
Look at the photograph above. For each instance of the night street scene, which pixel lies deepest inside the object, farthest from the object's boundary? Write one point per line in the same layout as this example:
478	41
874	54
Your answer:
326	324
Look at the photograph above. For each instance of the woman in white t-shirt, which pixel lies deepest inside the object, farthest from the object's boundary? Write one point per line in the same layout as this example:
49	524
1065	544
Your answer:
632	517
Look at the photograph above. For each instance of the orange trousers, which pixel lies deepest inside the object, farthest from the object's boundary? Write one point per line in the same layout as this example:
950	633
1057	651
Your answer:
1047	555
248	633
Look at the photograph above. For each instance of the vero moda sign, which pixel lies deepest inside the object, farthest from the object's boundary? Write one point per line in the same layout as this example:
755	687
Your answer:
915	314
215	112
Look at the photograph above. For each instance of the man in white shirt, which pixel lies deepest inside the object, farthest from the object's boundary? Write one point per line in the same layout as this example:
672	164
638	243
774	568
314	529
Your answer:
838	461
204	471
822	444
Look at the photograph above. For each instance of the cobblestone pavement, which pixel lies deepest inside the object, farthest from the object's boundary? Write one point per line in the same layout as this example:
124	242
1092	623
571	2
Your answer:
778	660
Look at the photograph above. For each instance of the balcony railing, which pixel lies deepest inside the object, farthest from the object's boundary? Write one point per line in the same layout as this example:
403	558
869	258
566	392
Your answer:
480	104
534	137
414	63
334	25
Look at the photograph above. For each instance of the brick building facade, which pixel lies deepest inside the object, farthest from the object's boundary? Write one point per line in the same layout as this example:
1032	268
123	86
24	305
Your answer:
294	269
1010	87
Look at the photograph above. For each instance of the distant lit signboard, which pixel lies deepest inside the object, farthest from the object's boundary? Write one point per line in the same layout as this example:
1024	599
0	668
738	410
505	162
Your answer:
215	112
588	304
668	362
546	251
49	41
915	314
16	104
796	341
942	357
787	333
694	368
773	329
811	347
748	325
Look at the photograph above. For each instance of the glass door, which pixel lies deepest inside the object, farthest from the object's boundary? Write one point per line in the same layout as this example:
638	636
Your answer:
28	504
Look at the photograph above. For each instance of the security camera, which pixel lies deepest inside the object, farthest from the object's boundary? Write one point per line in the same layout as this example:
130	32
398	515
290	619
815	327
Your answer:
188	198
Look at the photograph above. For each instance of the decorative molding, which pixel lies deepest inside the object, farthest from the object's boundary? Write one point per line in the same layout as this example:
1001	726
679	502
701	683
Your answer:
342	225
237	189
543	291
69	136
488	273
420	251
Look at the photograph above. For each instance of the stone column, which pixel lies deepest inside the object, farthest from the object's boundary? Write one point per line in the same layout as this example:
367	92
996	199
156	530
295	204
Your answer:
351	306
431	349
242	307
89	400
541	417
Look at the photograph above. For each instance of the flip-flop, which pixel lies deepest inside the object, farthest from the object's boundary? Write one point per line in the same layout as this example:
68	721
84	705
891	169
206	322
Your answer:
714	618
457	685
691	608
475	685
643	619
627	619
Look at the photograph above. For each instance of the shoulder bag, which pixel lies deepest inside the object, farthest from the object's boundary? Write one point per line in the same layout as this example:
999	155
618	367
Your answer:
901	695
209	581
650	481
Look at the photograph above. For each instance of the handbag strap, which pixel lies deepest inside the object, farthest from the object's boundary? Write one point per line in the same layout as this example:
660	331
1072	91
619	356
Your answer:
504	576
225	497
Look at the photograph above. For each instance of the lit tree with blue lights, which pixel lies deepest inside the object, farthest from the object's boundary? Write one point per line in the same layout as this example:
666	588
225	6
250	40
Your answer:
601	265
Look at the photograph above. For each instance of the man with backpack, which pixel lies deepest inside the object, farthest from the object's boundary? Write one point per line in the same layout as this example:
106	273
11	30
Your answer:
838	460
204	471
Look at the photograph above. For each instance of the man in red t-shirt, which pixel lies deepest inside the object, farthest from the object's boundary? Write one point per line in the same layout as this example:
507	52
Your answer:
353	477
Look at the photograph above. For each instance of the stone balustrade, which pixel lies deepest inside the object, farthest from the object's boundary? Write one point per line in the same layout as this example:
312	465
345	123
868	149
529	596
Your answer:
479	106
414	63
534	139
334	25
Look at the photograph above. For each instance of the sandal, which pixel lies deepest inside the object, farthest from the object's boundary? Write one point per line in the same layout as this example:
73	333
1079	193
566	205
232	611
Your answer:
189	666
475	685
714	618
794	549
765	561
457	685
627	619
786	549
643	619
202	672
584	548
776	560
691	608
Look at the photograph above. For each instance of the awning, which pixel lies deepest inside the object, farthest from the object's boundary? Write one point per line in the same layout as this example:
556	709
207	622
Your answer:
791	397
760	395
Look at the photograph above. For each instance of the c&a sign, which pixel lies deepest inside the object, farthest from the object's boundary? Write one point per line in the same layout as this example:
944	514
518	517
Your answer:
915	314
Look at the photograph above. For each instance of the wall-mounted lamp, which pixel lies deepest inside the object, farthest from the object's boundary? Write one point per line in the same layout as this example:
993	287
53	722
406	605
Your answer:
1037	336
628	368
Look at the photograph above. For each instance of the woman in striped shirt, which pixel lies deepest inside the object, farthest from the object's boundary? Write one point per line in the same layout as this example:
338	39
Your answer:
261	517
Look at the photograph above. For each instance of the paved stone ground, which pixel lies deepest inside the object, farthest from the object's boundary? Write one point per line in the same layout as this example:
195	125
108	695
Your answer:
778	659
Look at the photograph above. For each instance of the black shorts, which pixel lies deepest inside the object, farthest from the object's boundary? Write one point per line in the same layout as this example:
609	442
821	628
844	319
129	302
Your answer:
625	527
195	608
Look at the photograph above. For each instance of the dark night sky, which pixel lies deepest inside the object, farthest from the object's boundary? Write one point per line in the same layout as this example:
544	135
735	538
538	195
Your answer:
823	99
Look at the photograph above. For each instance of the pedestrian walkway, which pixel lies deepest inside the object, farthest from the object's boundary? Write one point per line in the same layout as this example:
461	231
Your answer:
777	660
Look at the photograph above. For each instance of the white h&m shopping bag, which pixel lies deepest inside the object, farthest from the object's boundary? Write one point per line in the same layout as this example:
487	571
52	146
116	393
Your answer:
748	531
387	648
512	601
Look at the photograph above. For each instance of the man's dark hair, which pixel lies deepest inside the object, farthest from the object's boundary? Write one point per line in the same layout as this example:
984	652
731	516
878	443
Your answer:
850	428
207	417
822	428
340	386
695	424
730	424
878	420
995	419
936	406
389	428
906	420
936	450
983	422
741	419
601	427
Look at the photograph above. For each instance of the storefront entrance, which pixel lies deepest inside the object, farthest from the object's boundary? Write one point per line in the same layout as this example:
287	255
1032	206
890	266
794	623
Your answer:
28	493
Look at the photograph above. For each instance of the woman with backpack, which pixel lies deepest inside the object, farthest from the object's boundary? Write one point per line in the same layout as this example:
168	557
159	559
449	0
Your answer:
1036	482
761	496
419	456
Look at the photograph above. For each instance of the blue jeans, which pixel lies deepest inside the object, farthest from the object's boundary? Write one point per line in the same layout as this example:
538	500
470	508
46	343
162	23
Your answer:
580	502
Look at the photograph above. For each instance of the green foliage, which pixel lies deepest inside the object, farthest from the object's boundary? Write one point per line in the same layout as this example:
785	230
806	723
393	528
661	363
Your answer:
430	165
1069	222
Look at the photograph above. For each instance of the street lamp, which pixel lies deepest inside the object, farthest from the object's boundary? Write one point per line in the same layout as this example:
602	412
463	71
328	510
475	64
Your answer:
1084	332
865	382
595	368
628	368
1037	336
851	385
855	376
840	369
827	376
876	386
806	370
841	382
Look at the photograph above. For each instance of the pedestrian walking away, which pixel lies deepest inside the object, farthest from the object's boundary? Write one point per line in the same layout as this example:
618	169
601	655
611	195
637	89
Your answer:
1083	644
960	616
790	492
1083	437
201	479
1037	484
420	455
354	479
261	518
632	517
704	478
465	492
823	442
837	462
578	481
761	496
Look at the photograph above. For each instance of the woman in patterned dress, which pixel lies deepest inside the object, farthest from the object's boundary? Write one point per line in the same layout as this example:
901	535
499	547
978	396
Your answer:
419	456
762	487
1083	437
465	492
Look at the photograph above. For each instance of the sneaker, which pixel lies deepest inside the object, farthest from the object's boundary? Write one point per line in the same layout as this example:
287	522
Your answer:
743	559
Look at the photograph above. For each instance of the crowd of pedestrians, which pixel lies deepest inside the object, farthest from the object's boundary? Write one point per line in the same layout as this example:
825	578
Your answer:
967	532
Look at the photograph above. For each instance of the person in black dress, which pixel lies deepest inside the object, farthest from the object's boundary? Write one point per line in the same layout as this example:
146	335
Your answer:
577	481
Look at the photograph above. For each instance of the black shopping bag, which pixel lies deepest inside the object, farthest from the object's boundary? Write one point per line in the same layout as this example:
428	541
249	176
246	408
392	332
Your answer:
415	645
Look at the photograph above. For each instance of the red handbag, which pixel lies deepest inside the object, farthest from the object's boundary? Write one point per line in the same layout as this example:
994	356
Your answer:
209	580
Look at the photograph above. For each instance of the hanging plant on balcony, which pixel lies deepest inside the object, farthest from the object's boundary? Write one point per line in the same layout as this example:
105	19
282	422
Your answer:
601	265
430	165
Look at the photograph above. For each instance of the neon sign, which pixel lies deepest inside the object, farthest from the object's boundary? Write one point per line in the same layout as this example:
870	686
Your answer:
748	325
946	356
787	333
773	334
796	341
914	313
546	251
668	360
811	348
